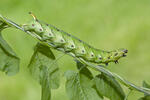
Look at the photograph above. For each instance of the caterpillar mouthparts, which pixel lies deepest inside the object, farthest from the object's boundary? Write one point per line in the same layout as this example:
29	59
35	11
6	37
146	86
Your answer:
125	51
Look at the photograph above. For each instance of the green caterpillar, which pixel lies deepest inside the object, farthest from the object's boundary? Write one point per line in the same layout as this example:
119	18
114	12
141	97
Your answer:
59	39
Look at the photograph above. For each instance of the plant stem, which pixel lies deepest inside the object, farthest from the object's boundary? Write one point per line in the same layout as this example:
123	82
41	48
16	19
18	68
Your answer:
97	68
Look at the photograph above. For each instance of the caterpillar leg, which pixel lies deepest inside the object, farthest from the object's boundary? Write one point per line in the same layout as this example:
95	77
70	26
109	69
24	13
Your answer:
116	62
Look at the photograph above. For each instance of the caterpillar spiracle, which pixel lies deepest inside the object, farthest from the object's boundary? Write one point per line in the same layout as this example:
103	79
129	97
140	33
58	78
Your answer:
57	38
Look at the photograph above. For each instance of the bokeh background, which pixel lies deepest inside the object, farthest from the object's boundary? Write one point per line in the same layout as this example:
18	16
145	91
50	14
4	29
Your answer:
105	24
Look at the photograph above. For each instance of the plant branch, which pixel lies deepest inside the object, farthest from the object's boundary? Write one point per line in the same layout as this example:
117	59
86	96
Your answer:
131	86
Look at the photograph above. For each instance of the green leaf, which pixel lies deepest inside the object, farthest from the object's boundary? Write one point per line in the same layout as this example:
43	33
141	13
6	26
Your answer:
146	85
84	70
146	96
45	83
9	62
79	86
109	87
44	68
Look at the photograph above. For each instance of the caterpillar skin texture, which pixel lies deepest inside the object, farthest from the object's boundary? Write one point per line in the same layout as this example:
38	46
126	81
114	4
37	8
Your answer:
70	44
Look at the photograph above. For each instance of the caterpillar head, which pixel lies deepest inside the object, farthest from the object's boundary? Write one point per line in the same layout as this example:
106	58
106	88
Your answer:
115	55
33	26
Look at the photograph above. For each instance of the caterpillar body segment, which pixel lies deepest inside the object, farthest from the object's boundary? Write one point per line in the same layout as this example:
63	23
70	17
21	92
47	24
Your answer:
90	56
69	45
79	51
33	26
58	39
98	55
61	40
47	33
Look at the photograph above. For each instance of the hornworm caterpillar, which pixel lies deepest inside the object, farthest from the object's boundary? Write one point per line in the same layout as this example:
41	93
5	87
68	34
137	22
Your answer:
59	39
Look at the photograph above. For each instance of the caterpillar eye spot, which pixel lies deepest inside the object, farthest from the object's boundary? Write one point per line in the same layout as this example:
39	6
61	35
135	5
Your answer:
33	25
47	25
62	40
92	55
72	46
109	57
100	58
82	51
40	29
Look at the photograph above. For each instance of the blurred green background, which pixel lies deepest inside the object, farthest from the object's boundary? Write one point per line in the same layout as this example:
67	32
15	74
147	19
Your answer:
105	24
